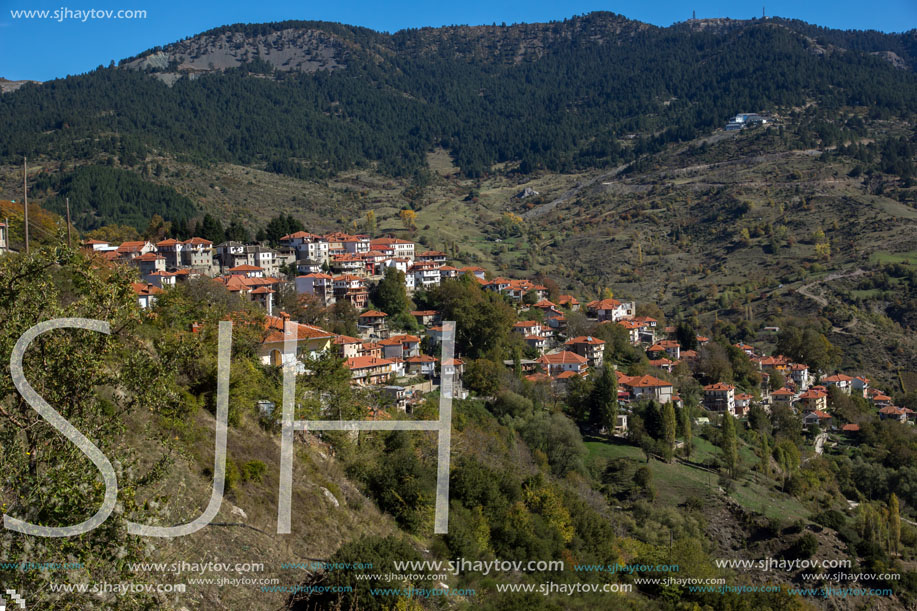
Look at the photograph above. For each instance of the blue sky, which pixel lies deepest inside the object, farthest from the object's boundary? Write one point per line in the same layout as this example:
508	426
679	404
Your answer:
43	49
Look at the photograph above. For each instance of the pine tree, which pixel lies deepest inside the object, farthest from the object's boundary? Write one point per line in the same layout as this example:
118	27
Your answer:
894	523
603	400
729	445
686	433
668	430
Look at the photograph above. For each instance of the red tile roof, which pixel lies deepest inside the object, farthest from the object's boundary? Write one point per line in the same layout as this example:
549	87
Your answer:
275	328
813	393
131	247
365	362
719	386
645	381
423	358
143	289
544	303
561	358
585	339
150	256
604	304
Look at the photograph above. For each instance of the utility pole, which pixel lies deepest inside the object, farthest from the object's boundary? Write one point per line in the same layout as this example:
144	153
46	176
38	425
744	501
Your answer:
25	201
69	242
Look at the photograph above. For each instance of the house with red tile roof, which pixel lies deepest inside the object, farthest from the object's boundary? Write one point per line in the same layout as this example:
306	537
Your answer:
399	248
348	287
249	271
891	412
669	346
860	385
422	364
369	370
878	398
771	363
558	362
371	349
746	348
743	403
149	263
347	347
426	317
373	320
822	419
528	327
537	342
433	256
98	246
129	250
146	294
400	346
720	397
783	396
633	329
645	387
591	348
319	284
610	309
840	381
799	373
815	398
478	272
664	363
310	341
568	301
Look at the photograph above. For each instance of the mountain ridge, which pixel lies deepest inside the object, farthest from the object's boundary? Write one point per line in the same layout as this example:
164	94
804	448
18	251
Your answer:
350	97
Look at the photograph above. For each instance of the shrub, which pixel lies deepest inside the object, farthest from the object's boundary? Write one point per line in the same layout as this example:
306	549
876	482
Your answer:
253	471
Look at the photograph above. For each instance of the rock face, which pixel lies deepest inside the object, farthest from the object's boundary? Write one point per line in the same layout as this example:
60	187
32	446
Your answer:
293	49
893	58
7	86
527	192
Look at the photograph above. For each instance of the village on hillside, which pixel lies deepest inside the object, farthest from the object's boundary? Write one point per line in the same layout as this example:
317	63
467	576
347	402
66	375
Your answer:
340	267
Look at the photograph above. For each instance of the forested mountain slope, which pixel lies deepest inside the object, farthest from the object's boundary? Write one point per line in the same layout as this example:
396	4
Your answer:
310	98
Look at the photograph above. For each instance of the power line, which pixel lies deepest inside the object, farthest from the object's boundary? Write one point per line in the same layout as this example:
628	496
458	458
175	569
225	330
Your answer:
25	203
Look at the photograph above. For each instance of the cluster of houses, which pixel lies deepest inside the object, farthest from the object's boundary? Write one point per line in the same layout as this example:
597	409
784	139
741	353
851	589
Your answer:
379	358
576	356
340	266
